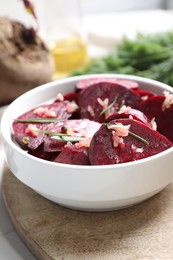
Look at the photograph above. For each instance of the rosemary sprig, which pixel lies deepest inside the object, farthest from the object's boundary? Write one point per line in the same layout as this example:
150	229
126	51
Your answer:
139	138
51	133
109	107
134	135
39	120
122	104
64	138
61	136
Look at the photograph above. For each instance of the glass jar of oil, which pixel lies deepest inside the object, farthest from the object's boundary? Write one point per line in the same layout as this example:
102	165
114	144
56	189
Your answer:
66	36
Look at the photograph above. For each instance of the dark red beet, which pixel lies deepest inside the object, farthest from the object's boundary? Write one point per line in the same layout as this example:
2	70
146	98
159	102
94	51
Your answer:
27	141
145	94
71	97
39	153
90	107
85	83
132	113
163	117
72	155
53	145
152	106
103	152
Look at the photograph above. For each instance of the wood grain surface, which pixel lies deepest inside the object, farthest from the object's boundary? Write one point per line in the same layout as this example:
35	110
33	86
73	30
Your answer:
144	231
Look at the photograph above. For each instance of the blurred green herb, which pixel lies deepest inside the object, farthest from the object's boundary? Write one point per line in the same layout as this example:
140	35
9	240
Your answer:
148	56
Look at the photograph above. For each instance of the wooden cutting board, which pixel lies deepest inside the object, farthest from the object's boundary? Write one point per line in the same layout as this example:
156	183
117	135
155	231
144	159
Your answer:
144	231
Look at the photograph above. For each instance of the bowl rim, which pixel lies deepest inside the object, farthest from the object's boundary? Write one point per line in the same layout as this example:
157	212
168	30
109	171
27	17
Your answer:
73	79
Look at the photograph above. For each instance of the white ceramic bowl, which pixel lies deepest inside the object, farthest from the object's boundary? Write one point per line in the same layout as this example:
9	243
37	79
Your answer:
85	187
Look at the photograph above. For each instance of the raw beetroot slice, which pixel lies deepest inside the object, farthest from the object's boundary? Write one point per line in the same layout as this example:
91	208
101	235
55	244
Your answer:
109	147
94	99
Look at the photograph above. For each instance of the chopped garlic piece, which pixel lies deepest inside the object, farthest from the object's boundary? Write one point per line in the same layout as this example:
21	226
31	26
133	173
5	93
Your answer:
68	144
168	100
104	103
137	149
32	130
124	109
117	140
120	129
144	97
83	143
76	132
59	97
91	111
153	124
72	107
44	112
70	131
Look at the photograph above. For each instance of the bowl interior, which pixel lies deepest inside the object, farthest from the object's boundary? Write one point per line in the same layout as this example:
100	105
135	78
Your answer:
48	92
85	187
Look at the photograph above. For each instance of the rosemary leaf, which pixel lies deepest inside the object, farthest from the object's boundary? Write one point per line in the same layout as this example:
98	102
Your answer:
39	120
51	133
61	136
139	138
64	138
109	107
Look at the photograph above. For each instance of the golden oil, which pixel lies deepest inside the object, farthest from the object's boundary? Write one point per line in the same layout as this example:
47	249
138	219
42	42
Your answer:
69	54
